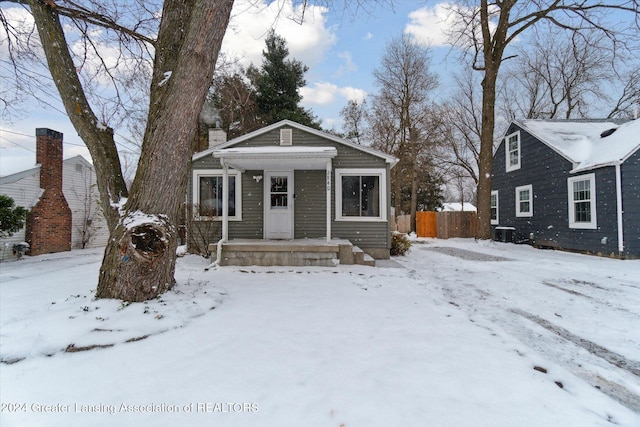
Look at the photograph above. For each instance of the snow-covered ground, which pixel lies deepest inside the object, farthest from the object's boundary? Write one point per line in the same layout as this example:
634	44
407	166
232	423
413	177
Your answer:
464	334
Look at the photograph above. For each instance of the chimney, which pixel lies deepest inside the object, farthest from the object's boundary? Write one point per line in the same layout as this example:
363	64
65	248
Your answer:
216	137
48	227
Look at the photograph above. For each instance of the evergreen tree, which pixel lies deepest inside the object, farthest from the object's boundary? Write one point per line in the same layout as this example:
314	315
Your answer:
11	216
277	83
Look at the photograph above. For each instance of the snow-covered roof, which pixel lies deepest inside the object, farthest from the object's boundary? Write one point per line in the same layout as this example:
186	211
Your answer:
583	143
388	158
457	207
257	158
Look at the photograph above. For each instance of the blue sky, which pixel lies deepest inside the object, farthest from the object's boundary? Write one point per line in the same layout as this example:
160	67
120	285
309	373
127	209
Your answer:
341	49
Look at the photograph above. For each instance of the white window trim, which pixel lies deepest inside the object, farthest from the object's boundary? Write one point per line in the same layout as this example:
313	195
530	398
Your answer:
197	174
518	190
382	178
593	224
508	166
497	220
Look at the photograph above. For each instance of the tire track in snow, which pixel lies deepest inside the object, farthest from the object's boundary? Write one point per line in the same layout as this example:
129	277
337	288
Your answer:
558	345
614	358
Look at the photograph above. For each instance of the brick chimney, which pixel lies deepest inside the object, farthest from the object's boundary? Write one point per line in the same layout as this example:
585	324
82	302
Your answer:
48	227
216	137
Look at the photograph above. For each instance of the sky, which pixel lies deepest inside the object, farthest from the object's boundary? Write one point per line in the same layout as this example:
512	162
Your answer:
340	47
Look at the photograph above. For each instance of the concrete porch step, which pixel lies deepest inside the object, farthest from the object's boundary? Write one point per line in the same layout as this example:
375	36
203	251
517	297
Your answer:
300	252
361	258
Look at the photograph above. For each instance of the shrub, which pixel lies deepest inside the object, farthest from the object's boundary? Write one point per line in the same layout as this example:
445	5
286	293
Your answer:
400	243
11	216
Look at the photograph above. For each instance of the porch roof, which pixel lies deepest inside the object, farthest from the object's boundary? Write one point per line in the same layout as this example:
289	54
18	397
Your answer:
274	158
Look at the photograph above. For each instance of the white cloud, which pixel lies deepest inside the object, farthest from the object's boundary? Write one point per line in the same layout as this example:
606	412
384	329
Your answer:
353	94
252	19
319	94
429	24
348	64
22	22
324	93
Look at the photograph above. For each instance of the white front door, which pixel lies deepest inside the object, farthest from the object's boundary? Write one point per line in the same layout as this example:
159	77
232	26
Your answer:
278	202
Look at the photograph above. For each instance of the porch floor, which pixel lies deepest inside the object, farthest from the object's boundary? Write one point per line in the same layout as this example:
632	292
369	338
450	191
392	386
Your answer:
296	252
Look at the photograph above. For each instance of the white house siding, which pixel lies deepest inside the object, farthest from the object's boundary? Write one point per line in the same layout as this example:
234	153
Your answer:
79	188
24	189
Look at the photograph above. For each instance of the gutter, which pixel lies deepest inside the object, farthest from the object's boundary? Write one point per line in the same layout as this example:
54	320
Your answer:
619	210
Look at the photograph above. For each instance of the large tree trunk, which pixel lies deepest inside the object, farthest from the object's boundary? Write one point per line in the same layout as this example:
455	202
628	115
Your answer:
97	138
486	157
494	43
413	138
139	261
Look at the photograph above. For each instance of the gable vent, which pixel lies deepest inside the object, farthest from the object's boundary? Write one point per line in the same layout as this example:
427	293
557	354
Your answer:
286	137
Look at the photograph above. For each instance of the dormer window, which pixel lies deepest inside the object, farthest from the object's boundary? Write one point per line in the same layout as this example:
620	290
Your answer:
512	151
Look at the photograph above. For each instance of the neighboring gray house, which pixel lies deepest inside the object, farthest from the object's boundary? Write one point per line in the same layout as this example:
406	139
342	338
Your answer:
88	226
571	185
289	184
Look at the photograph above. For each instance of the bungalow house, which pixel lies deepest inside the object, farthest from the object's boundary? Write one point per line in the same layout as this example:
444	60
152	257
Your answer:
572	185
288	194
62	198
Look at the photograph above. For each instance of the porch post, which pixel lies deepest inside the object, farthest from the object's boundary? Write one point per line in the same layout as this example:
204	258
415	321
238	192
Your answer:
328	200
225	200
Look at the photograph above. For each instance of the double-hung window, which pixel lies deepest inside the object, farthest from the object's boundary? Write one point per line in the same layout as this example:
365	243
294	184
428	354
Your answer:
207	194
494	207
512	151
582	201
361	194
524	201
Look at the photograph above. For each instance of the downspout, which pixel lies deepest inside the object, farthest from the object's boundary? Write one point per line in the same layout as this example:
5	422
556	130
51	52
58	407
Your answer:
328	214
619	210
225	215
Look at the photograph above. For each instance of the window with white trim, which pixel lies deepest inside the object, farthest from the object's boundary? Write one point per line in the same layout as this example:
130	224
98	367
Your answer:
524	201
207	194
361	194
512	151
582	201
494	207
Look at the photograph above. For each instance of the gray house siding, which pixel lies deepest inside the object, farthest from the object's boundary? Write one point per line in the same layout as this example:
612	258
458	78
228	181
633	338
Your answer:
547	172
310	195
252	209
310	204
630	172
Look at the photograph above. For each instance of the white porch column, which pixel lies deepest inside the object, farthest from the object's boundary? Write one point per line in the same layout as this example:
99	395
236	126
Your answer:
328	200
225	200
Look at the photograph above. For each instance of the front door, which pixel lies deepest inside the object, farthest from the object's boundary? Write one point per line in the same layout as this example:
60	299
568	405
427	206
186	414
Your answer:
278	215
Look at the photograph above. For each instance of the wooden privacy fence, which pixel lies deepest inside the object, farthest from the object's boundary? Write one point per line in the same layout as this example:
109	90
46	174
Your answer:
445	225
426	224
456	224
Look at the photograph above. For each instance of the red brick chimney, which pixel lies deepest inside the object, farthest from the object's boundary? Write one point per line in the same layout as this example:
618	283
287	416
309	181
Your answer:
48	227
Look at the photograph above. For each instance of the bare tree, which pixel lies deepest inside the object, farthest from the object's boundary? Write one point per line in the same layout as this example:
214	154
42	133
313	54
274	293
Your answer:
627	105
405	83
234	99
459	155
354	117
559	75
487	30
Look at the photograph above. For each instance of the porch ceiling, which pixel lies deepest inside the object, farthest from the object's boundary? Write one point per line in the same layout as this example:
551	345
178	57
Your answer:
276	158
